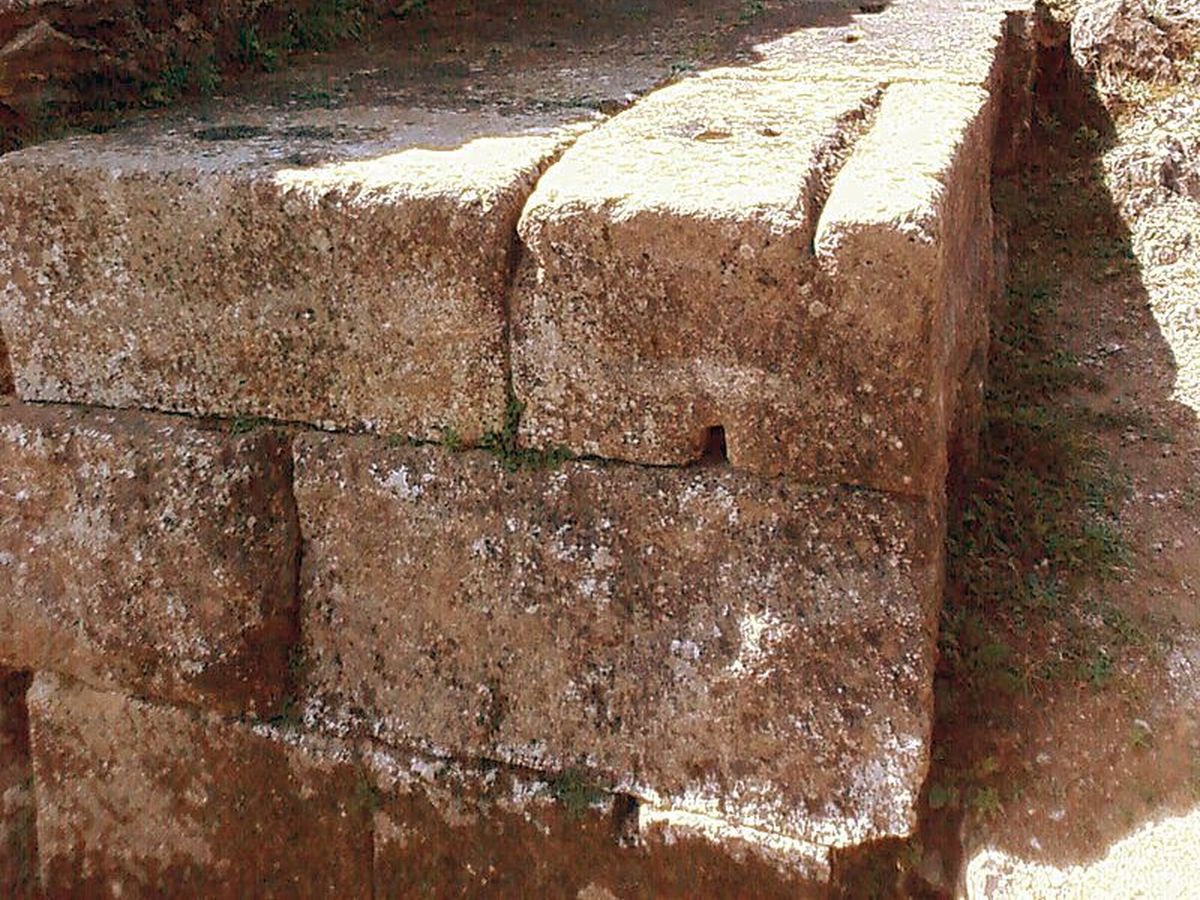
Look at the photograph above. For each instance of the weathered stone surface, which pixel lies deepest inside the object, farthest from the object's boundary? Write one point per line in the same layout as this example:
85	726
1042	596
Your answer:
672	285
345	268
947	41
18	843
147	552
750	653
142	800
449	829
906	236
1114	41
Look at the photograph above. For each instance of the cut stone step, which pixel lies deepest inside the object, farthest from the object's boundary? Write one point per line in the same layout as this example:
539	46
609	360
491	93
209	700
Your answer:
146	552
345	268
672	285
142	800
737	653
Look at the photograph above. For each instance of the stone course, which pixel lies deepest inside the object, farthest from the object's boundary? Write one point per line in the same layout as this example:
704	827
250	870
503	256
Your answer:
699	262
346	269
757	652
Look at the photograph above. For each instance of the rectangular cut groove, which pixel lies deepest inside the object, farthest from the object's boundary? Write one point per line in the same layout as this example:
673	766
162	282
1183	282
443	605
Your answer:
344	268
147	552
671	280
756	652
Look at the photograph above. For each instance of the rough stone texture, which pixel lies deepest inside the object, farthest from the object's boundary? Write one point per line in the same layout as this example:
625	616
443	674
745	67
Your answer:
18	842
750	653
146	552
447	829
142	800
345	268
672	286
1114	40
947	41
907	237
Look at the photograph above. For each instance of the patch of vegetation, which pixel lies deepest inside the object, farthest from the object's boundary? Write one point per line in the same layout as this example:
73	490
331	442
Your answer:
290	716
247	424
503	444
366	798
575	791
750	10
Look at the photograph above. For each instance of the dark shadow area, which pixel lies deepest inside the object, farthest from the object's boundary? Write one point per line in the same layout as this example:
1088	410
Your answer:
1050	742
18	837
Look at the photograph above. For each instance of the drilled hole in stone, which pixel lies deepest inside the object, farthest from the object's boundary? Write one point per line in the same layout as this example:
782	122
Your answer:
716	451
625	819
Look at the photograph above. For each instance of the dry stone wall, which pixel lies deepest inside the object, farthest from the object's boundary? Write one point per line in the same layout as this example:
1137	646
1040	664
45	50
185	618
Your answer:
437	501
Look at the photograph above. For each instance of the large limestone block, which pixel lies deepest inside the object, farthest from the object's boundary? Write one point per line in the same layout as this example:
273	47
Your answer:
345	268
148	552
672	284
18	844
732	651
137	800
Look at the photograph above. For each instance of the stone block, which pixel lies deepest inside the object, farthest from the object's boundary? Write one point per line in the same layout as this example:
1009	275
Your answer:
727	649
148	552
138	800
345	268
689	267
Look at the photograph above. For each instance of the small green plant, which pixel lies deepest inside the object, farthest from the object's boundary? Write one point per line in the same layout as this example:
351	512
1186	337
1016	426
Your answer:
1099	669
504	445
750	10
366	798
943	796
247	424
451	439
252	52
985	802
575	791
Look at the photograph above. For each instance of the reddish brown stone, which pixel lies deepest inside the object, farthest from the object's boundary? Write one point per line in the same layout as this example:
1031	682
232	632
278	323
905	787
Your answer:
345	268
139	800
446	829
18	841
755	652
147	552
801	263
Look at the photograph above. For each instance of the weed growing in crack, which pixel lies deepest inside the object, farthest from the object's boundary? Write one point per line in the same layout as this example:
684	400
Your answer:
575	791
503	444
